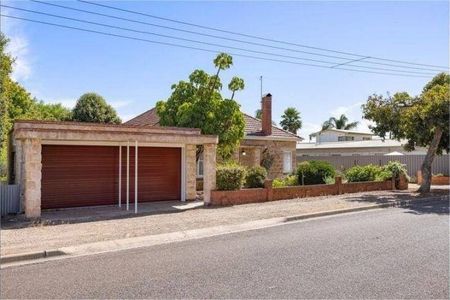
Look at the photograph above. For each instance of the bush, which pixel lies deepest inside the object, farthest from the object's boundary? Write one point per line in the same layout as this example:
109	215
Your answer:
396	168
314	172
367	173
229	177
255	177
290	180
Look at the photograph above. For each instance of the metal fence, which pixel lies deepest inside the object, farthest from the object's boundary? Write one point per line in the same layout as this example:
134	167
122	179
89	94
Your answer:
412	162
9	199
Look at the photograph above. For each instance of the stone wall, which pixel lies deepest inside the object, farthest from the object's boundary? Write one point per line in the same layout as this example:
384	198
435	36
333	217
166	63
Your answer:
31	177
254	153
191	172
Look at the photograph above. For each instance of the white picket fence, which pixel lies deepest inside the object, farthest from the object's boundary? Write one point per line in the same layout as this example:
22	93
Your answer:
9	199
412	162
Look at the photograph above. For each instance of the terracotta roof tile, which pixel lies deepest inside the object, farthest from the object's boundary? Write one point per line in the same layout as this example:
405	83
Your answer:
252	125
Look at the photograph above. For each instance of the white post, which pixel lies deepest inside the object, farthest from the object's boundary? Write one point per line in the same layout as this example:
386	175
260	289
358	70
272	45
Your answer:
183	174
135	176
120	175
128	175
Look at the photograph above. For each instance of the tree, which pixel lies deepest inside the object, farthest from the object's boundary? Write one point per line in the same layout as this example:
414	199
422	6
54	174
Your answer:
17	103
291	120
198	103
339	123
422	120
91	107
258	114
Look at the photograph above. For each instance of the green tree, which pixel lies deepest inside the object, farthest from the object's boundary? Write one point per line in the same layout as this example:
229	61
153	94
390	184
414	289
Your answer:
91	107
258	113
291	120
198	103
422	120
339	123
17	103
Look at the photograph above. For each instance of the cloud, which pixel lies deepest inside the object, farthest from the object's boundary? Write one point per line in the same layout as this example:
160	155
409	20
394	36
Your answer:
307	129
18	47
347	110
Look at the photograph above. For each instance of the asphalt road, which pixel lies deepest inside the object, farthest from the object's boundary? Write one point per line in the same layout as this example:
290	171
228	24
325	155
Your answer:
390	253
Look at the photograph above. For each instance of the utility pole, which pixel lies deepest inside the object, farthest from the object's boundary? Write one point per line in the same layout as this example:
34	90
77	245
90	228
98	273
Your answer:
261	79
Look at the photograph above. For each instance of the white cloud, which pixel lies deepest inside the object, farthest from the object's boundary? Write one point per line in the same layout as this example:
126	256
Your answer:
18	48
347	110
307	129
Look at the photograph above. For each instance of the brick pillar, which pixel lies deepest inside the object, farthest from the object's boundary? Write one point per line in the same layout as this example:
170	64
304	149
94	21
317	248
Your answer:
209	167
269	189
31	177
191	172
338	183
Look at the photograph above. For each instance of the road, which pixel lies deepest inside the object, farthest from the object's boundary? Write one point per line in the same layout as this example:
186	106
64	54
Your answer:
389	253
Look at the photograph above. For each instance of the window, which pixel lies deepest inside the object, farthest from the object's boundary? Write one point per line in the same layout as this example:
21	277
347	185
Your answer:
365	138
200	167
345	138
287	162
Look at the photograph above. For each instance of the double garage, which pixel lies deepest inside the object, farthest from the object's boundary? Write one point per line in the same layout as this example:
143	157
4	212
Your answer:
69	164
89	175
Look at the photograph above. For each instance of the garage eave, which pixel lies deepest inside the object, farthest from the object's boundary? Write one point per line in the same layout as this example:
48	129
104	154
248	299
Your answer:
74	131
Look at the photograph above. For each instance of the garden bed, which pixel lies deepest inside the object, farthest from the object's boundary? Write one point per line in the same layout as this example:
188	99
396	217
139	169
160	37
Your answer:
268	193
435	180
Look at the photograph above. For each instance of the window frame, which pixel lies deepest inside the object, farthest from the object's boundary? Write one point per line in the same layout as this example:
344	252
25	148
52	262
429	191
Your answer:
287	153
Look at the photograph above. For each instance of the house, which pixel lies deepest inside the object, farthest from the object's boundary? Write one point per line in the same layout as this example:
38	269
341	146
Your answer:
262	141
69	164
338	142
340	135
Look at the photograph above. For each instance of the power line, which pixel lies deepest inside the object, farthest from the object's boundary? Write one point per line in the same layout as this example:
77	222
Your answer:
335	64
249	35
225	38
200	49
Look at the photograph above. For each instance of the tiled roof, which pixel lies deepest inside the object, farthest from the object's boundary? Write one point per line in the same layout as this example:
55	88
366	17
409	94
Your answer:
252	126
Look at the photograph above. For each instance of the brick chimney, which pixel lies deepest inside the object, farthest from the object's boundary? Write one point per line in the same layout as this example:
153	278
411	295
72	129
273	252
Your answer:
266	118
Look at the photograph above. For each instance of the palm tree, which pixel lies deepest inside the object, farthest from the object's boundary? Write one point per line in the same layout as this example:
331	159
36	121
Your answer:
291	120
340	123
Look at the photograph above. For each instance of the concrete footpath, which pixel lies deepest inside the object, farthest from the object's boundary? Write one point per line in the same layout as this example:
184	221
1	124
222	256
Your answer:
51	242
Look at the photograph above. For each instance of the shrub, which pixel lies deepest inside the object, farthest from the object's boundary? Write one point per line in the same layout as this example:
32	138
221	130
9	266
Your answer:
290	180
367	173
396	168
255	177
229	176
383	175
314	172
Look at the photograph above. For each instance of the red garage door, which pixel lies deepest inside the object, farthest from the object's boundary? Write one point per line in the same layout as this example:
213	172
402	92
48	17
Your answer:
88	175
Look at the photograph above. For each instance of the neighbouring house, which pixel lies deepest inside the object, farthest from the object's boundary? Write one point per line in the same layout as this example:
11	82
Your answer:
69	164
262	141
338	142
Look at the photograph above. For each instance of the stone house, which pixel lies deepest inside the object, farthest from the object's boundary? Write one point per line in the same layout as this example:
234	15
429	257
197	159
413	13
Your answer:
263	142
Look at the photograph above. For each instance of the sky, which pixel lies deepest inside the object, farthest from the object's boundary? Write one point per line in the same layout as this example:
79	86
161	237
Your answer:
58	65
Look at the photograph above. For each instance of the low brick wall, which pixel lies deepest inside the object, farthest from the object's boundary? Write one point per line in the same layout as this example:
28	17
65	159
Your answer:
302	191
242	196
270	194
435	180
357	187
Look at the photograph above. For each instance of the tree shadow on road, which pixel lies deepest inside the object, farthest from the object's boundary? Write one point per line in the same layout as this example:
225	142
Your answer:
434	202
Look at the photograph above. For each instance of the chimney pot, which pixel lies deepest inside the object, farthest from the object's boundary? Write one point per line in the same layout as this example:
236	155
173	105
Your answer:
266	109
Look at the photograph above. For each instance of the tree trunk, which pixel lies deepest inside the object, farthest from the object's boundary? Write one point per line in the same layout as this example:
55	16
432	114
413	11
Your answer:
428	160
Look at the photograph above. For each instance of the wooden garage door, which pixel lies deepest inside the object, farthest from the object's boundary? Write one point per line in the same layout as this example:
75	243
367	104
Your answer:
159	174
88	175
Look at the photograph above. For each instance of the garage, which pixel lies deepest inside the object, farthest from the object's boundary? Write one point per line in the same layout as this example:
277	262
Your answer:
72	164
89	175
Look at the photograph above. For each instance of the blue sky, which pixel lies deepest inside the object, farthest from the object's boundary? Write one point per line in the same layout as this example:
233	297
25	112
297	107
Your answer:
58	65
